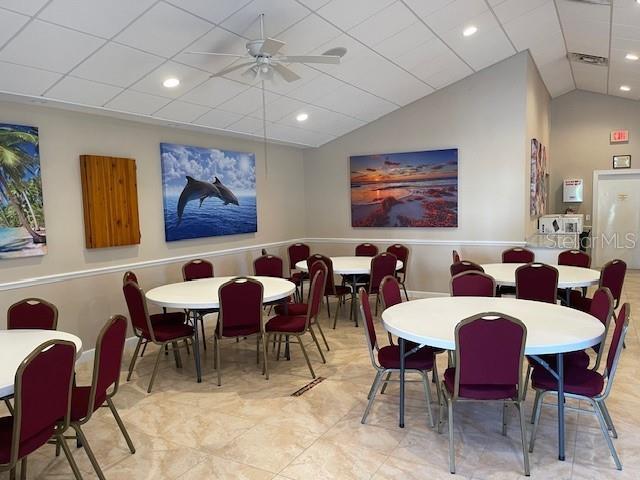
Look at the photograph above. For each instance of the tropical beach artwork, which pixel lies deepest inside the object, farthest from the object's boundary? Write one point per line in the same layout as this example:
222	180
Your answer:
411	189
207	192
22	227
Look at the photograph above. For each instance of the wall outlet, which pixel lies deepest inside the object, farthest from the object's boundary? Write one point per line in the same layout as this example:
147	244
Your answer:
587	218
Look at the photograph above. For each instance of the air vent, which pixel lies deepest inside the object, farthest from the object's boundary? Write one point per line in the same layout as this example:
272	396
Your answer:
588	59
594	2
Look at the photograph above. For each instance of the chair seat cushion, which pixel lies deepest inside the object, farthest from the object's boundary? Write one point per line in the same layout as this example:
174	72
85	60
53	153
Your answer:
579	381
80	402
167	318
26	447
287	323
479	392
291	309
579	359
165	332
580	302
389	357
241	331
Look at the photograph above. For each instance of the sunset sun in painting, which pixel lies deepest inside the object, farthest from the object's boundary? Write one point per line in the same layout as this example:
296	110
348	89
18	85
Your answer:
412	189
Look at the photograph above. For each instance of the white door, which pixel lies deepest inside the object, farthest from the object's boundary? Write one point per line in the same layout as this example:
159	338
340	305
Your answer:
617	229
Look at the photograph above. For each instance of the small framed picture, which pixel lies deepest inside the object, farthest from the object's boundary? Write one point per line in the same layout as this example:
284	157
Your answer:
622	161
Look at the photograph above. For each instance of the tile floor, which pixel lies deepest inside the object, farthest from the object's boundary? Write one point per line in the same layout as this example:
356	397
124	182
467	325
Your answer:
254	429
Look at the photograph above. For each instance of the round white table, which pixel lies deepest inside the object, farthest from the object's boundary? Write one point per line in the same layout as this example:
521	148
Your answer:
16	345
350	268
551	329
203	295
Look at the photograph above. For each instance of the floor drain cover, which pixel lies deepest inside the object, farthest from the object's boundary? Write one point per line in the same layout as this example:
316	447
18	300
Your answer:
307	387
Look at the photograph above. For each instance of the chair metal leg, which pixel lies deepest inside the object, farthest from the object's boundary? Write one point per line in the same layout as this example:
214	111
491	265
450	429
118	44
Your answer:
176	354
155	369
452	450
378	373
377	302
406	295
326	297
315	339
427	395
23	469
372	395
607	417
12	474
386	384
69	455
605	433
265	343
125	434
144	349
218	360
279	347
504	418
537	408
523	435
526	381
257	349
87	448
186	346
324	339
306	357
134	358
9	406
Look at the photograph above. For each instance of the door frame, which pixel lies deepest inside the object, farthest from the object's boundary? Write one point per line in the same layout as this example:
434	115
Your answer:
597	176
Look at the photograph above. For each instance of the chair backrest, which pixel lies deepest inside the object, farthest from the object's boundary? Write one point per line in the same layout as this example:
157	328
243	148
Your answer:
382	265
617	342
518	255
537	281
129	276
472	284
601	307
489	351
455	256
107	362
390	292
32	313
315	267
196	269
297	253
318	275
367	318
464	266
329	286
42	389
366	250
268	266
574	258
612	277
240	306
137	306
402	253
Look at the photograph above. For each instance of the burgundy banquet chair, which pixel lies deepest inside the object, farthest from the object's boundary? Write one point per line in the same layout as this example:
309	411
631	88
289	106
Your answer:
382	265
464	266
518	255
611	276
574	258
330	288
32	313
298	252
268	266
402	253
198	269
489	355
366	250
472	284
538	282
42	399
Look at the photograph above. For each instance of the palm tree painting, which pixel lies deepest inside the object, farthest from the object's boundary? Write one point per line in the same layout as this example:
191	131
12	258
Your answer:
22	226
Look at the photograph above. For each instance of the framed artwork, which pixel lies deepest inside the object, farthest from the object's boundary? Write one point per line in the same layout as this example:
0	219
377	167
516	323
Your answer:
539	176
22	226
207	192
411	189
622	161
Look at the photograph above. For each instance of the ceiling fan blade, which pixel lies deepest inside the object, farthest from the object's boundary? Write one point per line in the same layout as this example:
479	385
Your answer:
232	68
330	59
286	73
217	54
271	46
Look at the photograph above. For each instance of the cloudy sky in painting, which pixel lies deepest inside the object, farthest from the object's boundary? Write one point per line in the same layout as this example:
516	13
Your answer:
408	166
236	170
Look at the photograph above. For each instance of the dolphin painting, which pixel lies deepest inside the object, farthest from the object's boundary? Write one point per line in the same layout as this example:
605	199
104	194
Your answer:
197	189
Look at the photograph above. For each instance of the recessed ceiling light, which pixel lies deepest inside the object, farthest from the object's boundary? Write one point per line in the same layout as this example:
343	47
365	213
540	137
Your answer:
301	117
631	56
171	82
625	88
467	32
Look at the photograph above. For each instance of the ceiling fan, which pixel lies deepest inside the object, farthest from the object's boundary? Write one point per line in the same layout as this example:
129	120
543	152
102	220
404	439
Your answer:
265	59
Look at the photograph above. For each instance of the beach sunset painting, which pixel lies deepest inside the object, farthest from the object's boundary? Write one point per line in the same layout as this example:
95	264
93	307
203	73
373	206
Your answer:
411	189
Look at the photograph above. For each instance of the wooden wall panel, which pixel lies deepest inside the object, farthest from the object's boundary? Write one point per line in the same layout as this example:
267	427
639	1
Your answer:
110	198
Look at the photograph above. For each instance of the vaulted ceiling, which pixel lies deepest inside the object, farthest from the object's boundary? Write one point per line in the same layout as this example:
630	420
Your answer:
115	54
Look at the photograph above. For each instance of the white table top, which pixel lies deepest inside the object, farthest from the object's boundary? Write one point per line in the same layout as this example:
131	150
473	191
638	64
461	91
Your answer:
551	328
348	265
203	294
15	345
568	277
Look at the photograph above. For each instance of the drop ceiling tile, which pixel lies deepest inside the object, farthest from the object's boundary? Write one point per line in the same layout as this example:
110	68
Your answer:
248	101
282	87
28	7
117	65
356	103
219	41
549	49
214	12
307	35
438	65
626	13
572	11
83	92
217	119
189	78
178	111
384	24
557	76
314	4
631	32
318	87
164	30
50	47
322	120
10	23
410	39
25	80
97	17
278	15
214	91
586	36
590	77
280	108
247	125
287	133
455	15
634	83
511	9
346	14
625	44
393	84
423	8
136	102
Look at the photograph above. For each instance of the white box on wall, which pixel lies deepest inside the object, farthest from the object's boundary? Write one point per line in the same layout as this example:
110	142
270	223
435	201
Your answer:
572	190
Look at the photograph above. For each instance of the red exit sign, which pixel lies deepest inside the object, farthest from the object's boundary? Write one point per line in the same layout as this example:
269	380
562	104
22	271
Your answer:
619	136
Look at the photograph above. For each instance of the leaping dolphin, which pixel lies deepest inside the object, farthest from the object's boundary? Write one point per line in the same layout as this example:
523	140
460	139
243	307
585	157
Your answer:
225	194
197	189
